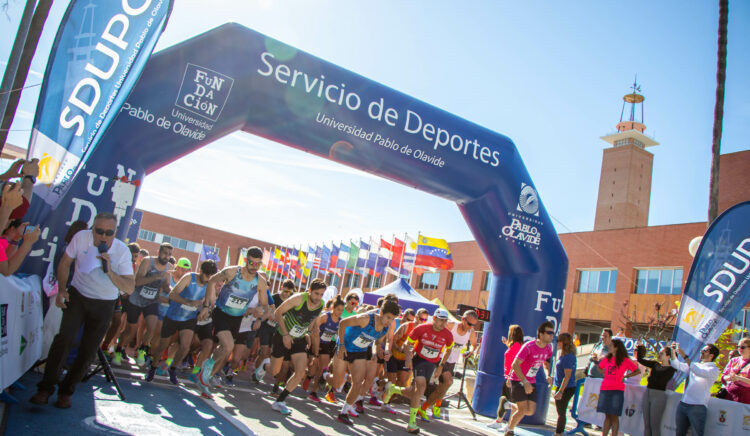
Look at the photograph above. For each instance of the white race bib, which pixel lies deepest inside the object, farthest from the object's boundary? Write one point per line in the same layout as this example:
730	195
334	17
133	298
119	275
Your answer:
272	323
533	370
430	353
327	336
188	308
362	341
149	293
205	321
235	302
297	331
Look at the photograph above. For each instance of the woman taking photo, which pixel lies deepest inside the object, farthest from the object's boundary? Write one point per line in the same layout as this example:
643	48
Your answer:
565	382
612	395
655	399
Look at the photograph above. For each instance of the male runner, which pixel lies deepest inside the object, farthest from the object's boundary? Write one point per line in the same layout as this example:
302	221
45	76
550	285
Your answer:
267	329
295	317
153	274
185	299
324	343
359	332
463	333
241	283
427	342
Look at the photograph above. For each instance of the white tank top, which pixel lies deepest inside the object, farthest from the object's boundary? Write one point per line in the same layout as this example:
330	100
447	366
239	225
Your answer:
458	343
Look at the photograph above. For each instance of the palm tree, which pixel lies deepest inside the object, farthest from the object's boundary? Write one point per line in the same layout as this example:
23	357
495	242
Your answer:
721	75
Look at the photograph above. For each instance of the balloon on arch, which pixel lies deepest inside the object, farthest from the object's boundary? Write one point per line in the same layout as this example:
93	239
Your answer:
232	78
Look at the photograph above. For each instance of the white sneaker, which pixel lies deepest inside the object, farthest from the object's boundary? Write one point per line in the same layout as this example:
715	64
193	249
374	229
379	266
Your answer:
281	408
350	410
499	426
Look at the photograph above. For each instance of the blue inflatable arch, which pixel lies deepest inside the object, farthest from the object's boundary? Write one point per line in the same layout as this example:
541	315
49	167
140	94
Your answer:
232	78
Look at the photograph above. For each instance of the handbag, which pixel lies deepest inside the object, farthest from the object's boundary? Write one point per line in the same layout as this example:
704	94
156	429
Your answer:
723	393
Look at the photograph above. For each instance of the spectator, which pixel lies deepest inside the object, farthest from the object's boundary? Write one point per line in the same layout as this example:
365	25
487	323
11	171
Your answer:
26	170
691	412
601	349
612	395
15	244
655	399
565	379
515	333
736	377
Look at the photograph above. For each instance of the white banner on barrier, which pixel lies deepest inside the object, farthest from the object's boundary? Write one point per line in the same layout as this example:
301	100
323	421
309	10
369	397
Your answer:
20	326
724	418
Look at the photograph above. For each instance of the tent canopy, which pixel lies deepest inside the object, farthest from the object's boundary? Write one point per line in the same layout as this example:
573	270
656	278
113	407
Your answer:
408	298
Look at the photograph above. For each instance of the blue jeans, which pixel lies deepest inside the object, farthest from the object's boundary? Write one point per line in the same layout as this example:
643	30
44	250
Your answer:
690	415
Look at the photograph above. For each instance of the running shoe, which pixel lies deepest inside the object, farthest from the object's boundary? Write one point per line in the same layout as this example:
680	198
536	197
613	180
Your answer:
205	372
306	384
436	412
390	389
412	430
314	397
161	371
281	408
194	378
510	433
259	373
423	414
140	358
359	406
344	419
375	402
350	410
205	392
388	409
173	375
331	397
216	381
498	425
275	390
150	374
117	359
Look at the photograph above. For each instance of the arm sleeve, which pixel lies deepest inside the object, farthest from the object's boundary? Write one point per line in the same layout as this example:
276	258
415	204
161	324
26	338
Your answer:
680	366
647	363
711	372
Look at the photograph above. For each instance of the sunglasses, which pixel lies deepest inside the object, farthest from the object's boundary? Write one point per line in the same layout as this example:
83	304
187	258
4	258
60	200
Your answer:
255	263
104	232
741	347
549	332
423	319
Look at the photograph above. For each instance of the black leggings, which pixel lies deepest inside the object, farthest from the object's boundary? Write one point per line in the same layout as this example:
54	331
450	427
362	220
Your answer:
562	408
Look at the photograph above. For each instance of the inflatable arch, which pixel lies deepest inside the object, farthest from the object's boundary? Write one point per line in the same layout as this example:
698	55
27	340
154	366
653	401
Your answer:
232	78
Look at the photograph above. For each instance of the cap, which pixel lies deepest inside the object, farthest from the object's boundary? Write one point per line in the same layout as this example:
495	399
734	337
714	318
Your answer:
441	314
184	262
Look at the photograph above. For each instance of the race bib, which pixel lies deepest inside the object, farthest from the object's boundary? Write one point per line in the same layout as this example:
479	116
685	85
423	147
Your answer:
362	341
188	308
235	302
297	331
430	353
149	293
327	336
205	321
533	370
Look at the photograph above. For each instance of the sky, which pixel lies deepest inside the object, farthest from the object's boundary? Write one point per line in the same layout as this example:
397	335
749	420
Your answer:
549	75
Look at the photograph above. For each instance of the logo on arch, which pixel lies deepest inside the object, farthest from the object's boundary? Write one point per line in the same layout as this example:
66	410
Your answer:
204	91
528	201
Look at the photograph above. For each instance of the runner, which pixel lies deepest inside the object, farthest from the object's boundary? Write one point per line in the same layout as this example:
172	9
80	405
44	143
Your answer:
182	267
463	334
117	317
427	342
324	343
359	332
152	275
241	285
184	300
397	363
514	342
267	329
530	358
248	331
352	301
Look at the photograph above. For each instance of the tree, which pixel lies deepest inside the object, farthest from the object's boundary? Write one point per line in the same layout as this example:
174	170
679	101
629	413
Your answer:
721	75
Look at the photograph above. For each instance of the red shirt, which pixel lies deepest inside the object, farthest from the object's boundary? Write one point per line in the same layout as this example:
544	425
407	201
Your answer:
509	356
613	374
429	342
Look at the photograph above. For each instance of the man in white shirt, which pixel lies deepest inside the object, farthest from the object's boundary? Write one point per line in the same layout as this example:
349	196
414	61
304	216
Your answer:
103	269
691	412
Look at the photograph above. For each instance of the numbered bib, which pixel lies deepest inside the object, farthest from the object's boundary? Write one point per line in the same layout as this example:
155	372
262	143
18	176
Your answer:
235	302
205	321
430	353
327	336
362	341
188	308
533	370
297	331
149	293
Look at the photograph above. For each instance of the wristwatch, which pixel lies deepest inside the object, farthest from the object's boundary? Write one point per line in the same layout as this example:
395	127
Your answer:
30	177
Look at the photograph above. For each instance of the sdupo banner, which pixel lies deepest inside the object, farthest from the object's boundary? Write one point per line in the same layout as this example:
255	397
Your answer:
20	326
717	286
98	55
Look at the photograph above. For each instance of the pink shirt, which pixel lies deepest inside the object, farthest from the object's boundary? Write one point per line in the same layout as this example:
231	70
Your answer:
511	354
533	357
3	247
613	374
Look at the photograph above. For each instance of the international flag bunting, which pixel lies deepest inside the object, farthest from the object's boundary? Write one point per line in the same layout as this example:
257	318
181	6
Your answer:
353	257
410	254
364	254
343	259
397	250
266	260
209	253
303	270
372	260
385	245
332	265
433	252
318	257
325	259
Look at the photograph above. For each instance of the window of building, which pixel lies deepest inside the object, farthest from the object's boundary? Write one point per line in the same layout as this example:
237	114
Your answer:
742	323
666	281
370	282
428	280
596	281
488	281
146	235
460	281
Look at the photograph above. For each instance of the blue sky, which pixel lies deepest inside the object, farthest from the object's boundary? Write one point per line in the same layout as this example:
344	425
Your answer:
549	75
